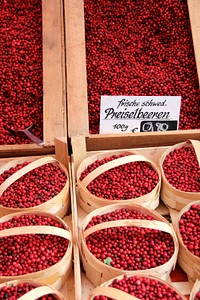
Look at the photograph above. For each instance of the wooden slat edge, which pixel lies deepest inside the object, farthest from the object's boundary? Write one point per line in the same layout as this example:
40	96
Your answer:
77	268
194	13
61	150
139	140
24	150
78	144
77	105
54	98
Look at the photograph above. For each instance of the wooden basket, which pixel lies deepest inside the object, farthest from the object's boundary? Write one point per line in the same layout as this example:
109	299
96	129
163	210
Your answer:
188	261
57	205
89	202
173	197
117	294
195	290
55	275
98	272
39	291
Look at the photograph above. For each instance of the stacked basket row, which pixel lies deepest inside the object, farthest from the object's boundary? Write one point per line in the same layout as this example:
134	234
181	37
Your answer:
36	244
102	180
100	171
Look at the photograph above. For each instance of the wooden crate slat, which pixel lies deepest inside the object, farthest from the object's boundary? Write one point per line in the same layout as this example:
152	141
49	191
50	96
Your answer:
77	104
24	150
136	140
54	101
61	151
76	256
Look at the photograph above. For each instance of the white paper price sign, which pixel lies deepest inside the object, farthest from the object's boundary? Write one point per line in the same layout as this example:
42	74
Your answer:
139	113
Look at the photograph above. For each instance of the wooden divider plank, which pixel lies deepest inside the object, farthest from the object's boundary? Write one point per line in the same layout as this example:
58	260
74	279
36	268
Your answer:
75	230
61	149
77	105
54	91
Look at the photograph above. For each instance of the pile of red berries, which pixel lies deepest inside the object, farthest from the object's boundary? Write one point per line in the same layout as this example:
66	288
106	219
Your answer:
28	253
131	180
34	188
14	292
129	248
143	288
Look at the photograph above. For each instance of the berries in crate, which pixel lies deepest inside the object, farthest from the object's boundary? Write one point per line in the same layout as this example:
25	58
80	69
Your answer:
195	292
32	76
188	233
29	289
151	56
119	238
134	287
180	172
116	177
29	184
35	246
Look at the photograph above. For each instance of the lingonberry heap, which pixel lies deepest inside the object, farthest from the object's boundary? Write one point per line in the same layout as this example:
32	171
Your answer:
141	47
182	169
14	292
21	80
189	227
129	248
34	188
28	253
143	288
127	181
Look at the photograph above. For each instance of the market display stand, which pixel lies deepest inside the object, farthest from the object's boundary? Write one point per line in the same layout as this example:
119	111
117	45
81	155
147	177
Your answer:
68	16
54	84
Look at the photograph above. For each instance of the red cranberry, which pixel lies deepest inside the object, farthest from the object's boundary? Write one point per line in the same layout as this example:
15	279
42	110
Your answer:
127	181
189	227
197	297
28	253
143	288
140	48
34	188
129	248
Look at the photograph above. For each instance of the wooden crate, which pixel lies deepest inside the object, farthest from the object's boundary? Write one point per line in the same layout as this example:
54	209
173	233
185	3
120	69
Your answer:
54	83
78	122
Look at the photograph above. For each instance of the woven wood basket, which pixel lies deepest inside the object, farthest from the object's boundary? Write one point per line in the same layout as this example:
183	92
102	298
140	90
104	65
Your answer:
57	205
55	275
98	272
195	290
188	261
39	291
117	294
173	197
89	202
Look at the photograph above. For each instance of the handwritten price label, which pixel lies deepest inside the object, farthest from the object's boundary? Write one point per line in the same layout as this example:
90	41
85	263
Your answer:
146	126
139	113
